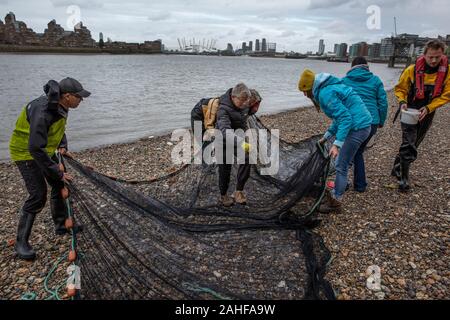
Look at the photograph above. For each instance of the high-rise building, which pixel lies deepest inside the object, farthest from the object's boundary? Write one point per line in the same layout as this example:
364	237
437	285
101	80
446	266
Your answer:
250	46
264	45
321	47
419	51
387	48
363	49
375	50
351	51
342	52
336	48
272	47
230	47
244	46
360	49
257	47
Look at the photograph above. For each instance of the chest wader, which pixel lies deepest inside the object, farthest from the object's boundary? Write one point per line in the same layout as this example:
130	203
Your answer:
35	181
412	137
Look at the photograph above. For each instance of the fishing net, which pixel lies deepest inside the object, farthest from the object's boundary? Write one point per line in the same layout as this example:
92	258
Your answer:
170	239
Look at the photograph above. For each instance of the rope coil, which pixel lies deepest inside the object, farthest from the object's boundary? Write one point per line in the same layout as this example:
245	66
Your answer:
72	283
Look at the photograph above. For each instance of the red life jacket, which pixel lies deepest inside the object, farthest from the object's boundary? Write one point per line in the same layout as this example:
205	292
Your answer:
420	78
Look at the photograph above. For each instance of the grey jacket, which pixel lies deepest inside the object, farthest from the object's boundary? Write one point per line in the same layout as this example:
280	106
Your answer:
231	117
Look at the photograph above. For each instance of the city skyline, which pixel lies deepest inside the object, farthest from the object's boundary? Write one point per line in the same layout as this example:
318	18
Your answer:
293	25
16	32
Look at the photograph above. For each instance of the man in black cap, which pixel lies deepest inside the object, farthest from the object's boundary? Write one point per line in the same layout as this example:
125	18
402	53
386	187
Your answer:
39	133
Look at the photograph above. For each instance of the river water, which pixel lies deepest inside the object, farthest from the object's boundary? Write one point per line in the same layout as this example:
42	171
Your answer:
134	96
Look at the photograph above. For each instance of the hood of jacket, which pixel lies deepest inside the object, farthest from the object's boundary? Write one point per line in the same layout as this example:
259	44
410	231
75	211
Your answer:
52	97
226	99
52	91
323	80
360	73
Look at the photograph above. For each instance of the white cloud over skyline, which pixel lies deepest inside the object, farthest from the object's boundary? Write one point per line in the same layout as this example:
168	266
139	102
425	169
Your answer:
293	25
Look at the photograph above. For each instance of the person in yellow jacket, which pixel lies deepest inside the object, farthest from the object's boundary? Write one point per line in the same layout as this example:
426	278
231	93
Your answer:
39	133
424	86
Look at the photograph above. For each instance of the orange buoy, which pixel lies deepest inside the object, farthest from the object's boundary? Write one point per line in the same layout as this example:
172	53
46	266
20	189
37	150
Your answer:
68	223
65	193
72	255
71	290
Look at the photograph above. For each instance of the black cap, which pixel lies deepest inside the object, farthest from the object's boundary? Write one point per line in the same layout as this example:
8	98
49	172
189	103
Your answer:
70	85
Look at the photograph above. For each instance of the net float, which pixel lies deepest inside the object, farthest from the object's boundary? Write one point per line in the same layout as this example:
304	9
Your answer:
68	223
72	255
65	193
71	290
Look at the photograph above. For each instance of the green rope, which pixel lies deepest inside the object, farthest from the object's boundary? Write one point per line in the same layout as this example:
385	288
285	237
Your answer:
324	188
195	288
28	296
54	294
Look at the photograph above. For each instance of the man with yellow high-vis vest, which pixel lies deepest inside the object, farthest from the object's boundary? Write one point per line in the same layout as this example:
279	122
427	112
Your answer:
39	133
425	87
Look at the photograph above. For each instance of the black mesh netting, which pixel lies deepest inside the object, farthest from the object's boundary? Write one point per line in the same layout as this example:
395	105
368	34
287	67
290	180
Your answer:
169	238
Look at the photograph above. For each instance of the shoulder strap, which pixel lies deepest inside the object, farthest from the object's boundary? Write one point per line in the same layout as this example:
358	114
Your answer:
441	76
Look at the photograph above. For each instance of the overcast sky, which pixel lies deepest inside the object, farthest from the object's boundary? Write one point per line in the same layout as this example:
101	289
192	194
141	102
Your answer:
293	24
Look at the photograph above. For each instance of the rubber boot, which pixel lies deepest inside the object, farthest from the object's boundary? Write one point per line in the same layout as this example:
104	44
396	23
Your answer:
59	215
404	179
396	169
23	248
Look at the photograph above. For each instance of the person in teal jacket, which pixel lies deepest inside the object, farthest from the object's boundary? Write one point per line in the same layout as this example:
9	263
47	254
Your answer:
371	90
351	125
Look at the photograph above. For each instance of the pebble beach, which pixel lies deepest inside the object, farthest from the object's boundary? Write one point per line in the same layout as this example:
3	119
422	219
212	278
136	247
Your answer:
406	236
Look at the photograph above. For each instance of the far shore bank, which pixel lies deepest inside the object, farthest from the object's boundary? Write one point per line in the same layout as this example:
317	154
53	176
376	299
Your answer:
68	50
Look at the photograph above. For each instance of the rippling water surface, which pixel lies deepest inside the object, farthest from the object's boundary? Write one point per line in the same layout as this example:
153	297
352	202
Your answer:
134	96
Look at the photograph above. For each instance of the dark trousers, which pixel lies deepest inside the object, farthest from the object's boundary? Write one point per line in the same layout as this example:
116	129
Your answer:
36	184
412	137
359	168
225	172
197	115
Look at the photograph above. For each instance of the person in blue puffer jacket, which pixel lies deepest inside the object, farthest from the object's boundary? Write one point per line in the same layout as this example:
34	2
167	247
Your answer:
371	90
351	125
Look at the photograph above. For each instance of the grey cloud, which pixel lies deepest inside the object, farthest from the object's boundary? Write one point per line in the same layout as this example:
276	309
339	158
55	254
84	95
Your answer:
251	31
337	26
87	4
293	24
325	4
159	16
288	33
329	4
